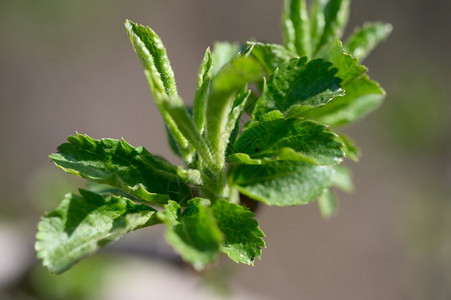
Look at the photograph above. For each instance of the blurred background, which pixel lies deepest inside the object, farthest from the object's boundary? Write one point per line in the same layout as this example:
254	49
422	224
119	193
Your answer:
68	66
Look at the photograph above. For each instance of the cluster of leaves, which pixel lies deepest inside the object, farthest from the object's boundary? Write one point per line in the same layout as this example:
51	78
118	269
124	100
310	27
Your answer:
286	153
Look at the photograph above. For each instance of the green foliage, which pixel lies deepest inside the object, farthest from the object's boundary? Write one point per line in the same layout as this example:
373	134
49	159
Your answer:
283	183
83	224
271	56
202	88
295	24
299	81
228	81
313	140
242	236
203	230
364	39
286	154
194	233
116	163
327	204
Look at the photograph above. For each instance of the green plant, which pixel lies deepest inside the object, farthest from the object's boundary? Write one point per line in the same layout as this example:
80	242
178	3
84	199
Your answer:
286	154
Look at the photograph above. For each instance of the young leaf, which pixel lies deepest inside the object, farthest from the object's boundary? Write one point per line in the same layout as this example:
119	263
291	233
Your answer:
185	124
297	81
152	53
270	56
317	22
227	82
172	142
365	39
313	140
83	224
193	233
362	97
132	170
202	88
233	122
107	190
342	179
242	236
327	204
283	183
280	154
336	13
157	68
348	67
349	147
223	53
296	29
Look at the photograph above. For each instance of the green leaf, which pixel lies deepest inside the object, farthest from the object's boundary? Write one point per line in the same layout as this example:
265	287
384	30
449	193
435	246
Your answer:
313	140
296	27
270	116
336	13
297	81
83	224
280	154
317	22
231	79
234	76
242	236
327	204
270	56
172	142
152	53
107	190
185	124
157	68
349	147
133	170
223	53
193	233
233	122
202	87
362	97
283	183
342	179
300	111
348	67
365	39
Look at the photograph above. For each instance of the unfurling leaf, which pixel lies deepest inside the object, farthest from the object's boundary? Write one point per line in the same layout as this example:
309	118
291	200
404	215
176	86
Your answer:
230	80
202	88
223	53
327	203
296	27
365	39
150	50
331	23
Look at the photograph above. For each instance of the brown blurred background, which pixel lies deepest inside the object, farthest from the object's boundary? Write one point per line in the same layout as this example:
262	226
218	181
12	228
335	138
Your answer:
67	66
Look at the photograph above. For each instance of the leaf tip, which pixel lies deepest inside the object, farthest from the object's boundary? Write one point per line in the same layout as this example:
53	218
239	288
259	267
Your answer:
128	24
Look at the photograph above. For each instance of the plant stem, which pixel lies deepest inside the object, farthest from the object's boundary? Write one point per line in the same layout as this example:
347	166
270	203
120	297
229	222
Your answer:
215	184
